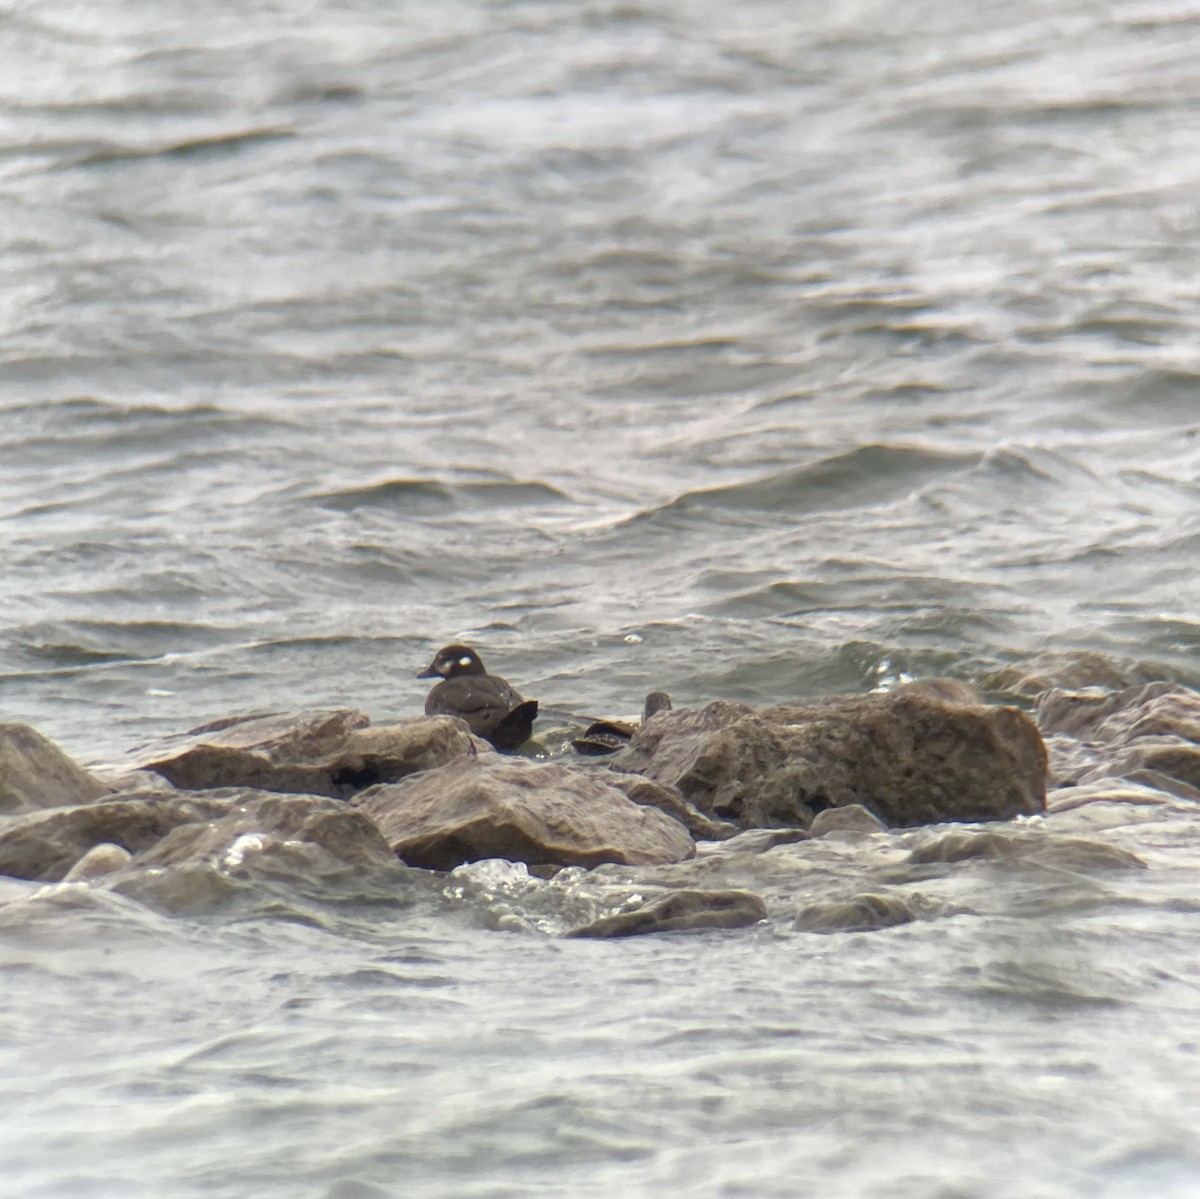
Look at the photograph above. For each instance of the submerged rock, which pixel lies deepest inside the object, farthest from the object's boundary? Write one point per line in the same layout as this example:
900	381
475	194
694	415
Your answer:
909	758
35	773
677	911
494	807
866	912
311	753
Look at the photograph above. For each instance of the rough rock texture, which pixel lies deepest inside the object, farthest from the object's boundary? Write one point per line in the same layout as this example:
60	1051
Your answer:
1149	733
678	911
650	794
311	753
909	758
35	773
1067	669
495	807
253	818
45	845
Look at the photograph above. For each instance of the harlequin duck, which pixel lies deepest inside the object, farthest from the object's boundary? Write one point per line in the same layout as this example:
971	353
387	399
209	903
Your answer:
608	736
485	701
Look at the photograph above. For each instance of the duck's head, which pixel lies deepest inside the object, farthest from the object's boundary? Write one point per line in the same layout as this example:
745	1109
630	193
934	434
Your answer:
452	661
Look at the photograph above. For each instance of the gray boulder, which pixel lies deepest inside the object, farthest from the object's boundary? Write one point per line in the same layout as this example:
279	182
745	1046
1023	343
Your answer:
35	773
311	753
910	758
497	807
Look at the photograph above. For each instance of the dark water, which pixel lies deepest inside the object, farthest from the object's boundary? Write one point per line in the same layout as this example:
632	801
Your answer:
747	352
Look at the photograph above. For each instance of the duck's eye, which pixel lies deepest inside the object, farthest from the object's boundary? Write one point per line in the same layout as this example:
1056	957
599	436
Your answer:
464	661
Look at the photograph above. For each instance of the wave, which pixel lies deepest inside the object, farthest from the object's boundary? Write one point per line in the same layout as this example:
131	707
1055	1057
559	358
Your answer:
870	476
430	497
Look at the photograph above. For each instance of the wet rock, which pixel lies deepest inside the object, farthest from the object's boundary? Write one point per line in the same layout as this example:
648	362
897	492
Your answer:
1150	731
253	819
853	818
859	913
650	794
949	691
45	845
1025	846
1069	670
755	841
909	758
495	807
100	860
678	911
310	753
35	773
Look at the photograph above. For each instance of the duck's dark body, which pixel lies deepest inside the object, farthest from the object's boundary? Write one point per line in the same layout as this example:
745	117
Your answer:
492	709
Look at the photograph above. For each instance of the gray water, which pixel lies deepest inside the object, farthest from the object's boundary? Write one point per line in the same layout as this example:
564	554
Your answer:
751	352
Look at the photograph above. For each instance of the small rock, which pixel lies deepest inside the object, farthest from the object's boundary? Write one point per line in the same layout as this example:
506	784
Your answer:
100	860
679	911
852	818
859	913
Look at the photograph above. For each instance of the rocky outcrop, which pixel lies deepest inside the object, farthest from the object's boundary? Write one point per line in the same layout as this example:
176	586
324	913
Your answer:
310	753
45	845
497	807
909	758
35	773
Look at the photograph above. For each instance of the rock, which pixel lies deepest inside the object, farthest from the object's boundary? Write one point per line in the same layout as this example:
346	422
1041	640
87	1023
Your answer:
311	753
680	910
497	807
949	691
859	913
650	794
1150	731
45	845
853	818
1070	670
100	860
909	758
754	841
35	773
252	819
1075	854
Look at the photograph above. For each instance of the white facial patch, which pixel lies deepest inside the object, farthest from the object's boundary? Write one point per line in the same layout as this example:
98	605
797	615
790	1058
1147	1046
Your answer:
464	661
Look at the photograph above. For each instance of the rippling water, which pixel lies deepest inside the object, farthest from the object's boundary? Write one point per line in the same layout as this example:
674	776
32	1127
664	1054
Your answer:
749	352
